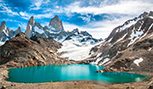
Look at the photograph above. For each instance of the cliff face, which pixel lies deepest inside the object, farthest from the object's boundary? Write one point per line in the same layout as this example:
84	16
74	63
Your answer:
22	51
129	47
56	23
6	33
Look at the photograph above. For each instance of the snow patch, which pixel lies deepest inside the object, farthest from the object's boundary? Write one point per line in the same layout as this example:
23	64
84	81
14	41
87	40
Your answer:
1	43
150	26
127	25
110	39
151	17
92	52
137	61
150	49
53	32
137	34
95	63
116	54
76	50
51	28
6	33
38	30
98	54
104	61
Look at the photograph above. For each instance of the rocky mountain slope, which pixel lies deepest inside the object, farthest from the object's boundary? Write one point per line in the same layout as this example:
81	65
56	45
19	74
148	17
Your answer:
6	33
129	47
77	46
55	29
21	51
80	40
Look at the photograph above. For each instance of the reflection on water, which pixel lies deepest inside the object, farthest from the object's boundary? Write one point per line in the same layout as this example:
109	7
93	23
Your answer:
69	72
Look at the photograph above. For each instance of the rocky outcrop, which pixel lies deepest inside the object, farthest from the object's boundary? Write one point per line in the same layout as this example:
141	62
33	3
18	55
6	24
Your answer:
6	33
47	42
22	51
129	47
54	29
56	23
29	28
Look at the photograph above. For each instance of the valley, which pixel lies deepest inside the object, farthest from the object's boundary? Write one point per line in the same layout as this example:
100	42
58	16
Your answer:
127	49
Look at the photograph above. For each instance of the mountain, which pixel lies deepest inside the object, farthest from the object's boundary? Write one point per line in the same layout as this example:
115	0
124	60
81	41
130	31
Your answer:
21	51
129	47
77	45
56	23
6	33
54	29
80	40
74	39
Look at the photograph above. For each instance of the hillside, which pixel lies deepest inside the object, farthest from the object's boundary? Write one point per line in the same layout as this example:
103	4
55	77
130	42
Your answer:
128	47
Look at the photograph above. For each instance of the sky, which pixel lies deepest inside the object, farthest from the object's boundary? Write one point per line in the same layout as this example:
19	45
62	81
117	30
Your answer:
98	17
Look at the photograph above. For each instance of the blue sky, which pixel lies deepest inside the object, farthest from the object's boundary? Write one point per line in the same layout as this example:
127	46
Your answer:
98	17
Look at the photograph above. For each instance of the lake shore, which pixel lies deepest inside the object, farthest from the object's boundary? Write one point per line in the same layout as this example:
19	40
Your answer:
71	84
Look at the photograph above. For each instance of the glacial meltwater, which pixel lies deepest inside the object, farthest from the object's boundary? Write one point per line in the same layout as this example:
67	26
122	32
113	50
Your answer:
55	73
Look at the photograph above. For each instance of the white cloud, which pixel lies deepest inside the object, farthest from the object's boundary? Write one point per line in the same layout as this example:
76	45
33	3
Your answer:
99	29
27	16
86	18
37	4
8	10
121	7
10	20
120	11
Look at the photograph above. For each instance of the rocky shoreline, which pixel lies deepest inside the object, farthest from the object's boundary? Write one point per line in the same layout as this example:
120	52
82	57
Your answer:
147	84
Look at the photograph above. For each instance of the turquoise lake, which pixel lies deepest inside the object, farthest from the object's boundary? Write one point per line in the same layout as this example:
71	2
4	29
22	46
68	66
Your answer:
55	73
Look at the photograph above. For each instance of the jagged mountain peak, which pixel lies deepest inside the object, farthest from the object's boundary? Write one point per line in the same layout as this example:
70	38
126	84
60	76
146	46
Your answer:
3	26
143	15
55	18
151	13
31	20
56	23
18	30
3	23
130	24
127	43
85	33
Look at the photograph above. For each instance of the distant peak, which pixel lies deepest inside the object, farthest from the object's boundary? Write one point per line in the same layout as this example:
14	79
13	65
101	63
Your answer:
19	29
55	18
151	13
56	23
143	14
3	23
31	20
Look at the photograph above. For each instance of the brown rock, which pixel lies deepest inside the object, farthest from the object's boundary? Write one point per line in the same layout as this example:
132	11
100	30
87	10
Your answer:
21	51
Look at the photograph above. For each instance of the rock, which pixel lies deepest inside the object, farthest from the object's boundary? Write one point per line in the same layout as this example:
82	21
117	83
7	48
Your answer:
21	51
150	85
3	87
6	33
56	23
132	87
127	87
121	48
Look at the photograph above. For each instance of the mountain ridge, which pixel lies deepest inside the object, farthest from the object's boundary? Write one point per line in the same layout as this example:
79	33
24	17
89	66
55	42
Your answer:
128	48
